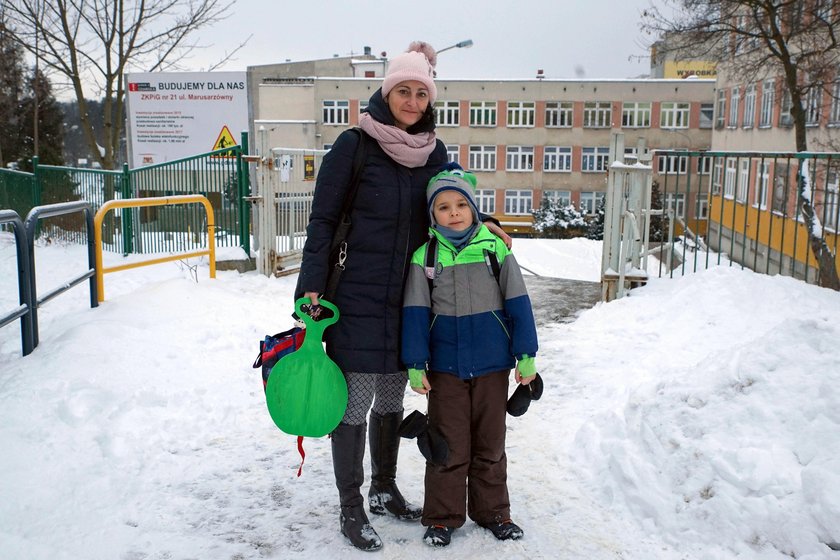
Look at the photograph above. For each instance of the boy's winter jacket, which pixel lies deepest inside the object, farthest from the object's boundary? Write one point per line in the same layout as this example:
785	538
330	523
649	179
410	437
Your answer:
470	325
389	222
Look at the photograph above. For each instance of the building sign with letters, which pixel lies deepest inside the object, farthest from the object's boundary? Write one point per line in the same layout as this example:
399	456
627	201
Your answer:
173	115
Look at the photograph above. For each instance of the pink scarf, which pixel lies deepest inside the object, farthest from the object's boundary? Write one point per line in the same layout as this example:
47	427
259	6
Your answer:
410	150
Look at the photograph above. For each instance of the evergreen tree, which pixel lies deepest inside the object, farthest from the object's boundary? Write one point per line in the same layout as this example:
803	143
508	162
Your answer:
555	220
657	222
595	229
50	124
12	73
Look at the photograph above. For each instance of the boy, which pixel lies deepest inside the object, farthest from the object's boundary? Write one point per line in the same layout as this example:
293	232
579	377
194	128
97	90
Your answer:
467	320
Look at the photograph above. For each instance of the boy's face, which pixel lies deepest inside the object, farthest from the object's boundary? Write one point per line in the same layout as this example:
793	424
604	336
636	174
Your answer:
452	210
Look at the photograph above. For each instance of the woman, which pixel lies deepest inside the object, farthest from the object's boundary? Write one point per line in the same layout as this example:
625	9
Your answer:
389	222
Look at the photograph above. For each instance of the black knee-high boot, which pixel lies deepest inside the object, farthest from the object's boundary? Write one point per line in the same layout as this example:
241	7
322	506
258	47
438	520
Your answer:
384	496
348	451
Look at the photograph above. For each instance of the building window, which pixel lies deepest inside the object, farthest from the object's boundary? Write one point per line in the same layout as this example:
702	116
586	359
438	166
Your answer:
749	106
557	158
832	201
673	164
597	114
558	114
676	203
743	180
720	121
760	200
768	101
520	114
518	202
519	158
707	115
486	201
482	113
730	178
635	115
336	112
717	177
834	116
780	184
704	165
674	115
785	118
733	107
363	103
589	201
447	113
453	153
483	158
594	159
701	210
813	100
562	198
631	156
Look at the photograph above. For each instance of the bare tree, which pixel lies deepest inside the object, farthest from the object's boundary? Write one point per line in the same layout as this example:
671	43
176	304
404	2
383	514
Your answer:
91	44
796	40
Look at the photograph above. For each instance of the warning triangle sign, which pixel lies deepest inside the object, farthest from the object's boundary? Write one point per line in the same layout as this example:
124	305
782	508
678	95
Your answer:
225	140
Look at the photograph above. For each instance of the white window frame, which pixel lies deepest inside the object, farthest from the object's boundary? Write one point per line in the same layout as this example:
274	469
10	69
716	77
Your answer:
485	199
557	159
521	114
482	158
834	113
336	112
447	113
768	101
594	159
720	109
832	199
453	153
675	202
701	209
563	198
813	105
674	114
672	164
635	114
743	180
597	114
763	183
733	107
717	175
483	113
519	158
749	107
707	115
730	178
589	201
519	202
704	165
785	117
559	114
363	103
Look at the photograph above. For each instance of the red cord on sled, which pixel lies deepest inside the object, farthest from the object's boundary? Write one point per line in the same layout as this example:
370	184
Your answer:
302	454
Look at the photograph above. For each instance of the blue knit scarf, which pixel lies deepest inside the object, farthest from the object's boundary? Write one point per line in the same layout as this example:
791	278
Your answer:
458	238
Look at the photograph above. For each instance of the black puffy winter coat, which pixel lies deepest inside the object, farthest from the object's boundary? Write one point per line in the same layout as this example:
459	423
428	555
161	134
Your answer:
390	220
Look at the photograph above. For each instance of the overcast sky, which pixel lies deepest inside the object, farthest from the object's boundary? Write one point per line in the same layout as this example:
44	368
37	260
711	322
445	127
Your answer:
567	39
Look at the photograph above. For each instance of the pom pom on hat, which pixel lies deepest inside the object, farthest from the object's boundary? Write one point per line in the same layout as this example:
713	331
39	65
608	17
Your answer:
417	63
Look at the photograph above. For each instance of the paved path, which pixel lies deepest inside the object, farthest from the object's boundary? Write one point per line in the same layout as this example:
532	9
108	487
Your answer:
558	300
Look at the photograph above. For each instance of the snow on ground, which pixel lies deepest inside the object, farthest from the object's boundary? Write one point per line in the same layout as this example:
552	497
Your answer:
697	418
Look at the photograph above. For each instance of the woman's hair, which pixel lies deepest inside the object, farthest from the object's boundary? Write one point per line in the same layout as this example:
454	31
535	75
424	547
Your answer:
426	122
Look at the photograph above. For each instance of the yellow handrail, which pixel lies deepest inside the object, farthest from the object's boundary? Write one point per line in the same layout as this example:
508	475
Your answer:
152	201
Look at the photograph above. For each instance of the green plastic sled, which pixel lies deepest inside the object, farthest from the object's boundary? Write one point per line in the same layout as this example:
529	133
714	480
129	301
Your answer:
306	391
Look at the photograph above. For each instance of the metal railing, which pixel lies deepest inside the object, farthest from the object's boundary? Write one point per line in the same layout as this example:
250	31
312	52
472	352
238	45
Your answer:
24	310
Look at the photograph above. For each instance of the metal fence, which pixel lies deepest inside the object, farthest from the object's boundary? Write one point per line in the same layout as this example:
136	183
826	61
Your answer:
285	186
221	176
749	208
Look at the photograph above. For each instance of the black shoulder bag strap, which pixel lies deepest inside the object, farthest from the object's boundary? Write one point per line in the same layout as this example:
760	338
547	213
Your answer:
338	247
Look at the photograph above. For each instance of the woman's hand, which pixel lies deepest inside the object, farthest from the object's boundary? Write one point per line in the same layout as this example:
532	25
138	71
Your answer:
500	233
315	306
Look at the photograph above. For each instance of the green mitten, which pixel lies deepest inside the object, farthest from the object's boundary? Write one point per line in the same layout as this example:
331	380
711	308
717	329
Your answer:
415	377
527	366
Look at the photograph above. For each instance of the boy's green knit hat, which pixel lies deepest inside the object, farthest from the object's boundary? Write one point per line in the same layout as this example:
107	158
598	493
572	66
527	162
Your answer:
452	178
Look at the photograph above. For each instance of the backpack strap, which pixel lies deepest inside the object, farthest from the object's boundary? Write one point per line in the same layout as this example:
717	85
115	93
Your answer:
431	262
493	264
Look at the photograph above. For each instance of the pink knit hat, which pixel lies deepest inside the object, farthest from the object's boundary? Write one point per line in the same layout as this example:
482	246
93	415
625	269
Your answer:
417	63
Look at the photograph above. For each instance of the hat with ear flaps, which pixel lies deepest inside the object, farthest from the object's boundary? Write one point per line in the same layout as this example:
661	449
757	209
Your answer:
417	63
452	178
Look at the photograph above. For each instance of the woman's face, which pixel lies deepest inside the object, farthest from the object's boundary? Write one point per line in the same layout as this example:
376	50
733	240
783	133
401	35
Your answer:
408	101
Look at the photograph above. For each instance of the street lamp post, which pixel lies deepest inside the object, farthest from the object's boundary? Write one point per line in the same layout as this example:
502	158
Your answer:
467	43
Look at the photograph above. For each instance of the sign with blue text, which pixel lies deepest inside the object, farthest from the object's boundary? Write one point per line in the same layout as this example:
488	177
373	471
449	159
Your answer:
173	115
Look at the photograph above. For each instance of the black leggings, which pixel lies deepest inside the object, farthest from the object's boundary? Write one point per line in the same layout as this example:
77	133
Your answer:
387	388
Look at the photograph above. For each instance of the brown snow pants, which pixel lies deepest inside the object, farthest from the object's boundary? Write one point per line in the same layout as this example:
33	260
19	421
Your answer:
471	416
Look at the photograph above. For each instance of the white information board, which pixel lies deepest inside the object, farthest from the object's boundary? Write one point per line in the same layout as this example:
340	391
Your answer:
172	115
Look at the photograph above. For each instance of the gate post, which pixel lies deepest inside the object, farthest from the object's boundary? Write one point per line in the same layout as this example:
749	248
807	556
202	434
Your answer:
126	214
244	190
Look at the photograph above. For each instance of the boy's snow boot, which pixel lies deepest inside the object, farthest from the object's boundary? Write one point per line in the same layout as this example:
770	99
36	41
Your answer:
506	530
348	451
438	535
384	496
